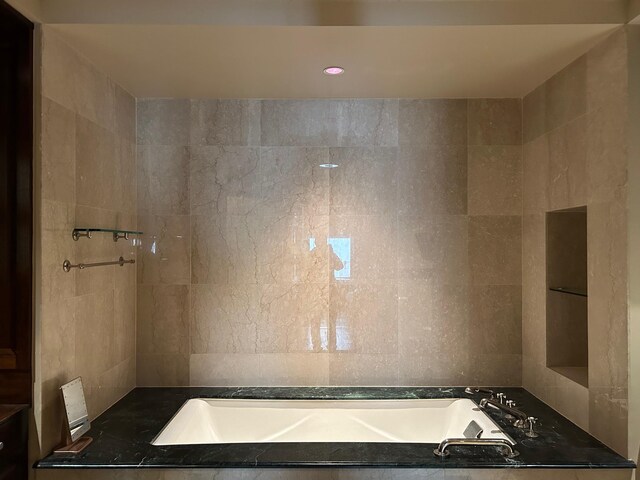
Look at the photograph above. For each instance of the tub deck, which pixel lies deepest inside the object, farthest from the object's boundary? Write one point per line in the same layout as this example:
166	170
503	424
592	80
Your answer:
123	435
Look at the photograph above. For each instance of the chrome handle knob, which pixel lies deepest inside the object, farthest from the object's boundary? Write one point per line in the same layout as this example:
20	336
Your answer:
532	421
501	397
511	404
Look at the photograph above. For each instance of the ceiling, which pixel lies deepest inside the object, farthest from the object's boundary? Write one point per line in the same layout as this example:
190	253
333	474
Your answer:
277	48
278	62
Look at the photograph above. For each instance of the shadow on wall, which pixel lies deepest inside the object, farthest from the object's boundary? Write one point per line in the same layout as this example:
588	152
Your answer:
336	13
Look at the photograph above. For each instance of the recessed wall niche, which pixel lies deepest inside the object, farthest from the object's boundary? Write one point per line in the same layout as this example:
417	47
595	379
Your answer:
567	333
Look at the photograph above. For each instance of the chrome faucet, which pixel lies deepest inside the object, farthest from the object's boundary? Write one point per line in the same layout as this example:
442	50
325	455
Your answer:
521	417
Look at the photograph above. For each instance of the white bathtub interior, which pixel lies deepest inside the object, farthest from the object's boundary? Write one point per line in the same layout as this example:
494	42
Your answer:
221	421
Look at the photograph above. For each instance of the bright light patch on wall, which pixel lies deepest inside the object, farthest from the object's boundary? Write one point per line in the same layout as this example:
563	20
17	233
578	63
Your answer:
328	165
334	70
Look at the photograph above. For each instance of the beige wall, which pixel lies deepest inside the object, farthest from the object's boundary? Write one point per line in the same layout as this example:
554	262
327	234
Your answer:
575	153
86	321
230	291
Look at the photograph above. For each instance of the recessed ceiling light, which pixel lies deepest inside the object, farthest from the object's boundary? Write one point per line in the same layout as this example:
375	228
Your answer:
328	165
333	70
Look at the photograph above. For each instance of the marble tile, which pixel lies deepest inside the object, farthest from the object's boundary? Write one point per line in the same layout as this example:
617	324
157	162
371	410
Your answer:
125	181
224	249
163	121
423	370
363	369
329	122
607	71
289	369
224	318
534	117
364	183
434	248
95	154
367	246
163	319
58	59
293	318
496	320
608	417
433	319
94	348
58	330
534	287
295	250
124	307
495	250
568	165
162	370
164	250
70	80
607	152
125	115
432	180
607	278
566	94
363	318
535	176
225	122
56	245
495	180
58	152
500	369
260	369
224	180
494	121
431	122
292	182
163	180
369	122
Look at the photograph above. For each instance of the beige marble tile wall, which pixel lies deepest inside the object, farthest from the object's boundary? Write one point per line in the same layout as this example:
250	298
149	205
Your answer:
575	153
260	267
338	474
86	325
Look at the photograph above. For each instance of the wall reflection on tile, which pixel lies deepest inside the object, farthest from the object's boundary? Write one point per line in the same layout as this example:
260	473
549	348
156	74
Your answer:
302	274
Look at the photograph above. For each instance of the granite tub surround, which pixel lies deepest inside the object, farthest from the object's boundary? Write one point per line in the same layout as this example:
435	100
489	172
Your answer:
575	154
86	322
261	267
123	435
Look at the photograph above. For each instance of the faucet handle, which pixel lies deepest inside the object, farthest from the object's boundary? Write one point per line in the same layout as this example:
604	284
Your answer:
501	397
511	404
532	421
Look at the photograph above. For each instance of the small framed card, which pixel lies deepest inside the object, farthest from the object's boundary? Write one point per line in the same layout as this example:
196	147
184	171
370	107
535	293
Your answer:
76	422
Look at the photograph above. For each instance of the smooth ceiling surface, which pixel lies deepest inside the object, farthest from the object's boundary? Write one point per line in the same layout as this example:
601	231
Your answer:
286	62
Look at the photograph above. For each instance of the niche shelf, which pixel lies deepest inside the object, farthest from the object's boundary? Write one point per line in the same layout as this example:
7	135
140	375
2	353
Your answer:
567	295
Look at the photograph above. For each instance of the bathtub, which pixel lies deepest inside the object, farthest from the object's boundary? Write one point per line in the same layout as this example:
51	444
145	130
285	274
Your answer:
223	421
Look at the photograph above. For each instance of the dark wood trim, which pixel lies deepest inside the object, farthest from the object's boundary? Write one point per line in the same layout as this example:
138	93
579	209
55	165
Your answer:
16	155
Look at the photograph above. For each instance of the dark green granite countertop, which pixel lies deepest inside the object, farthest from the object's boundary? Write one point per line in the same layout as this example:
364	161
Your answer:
123	434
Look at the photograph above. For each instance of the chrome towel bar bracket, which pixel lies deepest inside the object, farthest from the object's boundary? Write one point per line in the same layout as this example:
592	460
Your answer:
67	265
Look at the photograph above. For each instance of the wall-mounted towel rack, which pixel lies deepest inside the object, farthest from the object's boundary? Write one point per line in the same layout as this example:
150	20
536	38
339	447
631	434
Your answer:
86	232
67	266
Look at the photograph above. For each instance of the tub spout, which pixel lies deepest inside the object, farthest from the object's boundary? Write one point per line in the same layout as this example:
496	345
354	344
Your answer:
506	446
474	390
